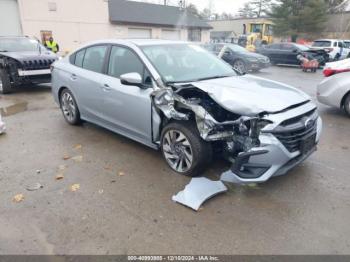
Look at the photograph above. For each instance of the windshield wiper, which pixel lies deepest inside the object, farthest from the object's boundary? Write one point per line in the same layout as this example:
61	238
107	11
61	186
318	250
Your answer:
211	77
198	79
4	51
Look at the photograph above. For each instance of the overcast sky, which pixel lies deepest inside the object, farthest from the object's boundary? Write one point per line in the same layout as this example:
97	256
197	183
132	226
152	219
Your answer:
219	6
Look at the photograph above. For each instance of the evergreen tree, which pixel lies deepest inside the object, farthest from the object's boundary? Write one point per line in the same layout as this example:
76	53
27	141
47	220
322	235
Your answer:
299	17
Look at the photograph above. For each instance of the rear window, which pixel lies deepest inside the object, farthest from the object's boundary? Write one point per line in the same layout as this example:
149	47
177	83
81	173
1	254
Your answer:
79	58
322	44
94	58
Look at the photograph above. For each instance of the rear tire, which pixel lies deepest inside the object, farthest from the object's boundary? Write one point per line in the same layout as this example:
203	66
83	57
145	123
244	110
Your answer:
240	66
347	105
69	107
184	150
5	83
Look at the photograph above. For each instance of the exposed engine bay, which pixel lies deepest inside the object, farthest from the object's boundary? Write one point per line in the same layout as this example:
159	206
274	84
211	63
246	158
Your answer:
262	139
215	124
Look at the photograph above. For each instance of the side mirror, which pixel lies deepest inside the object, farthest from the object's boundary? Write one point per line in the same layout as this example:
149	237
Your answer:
131	79
295	50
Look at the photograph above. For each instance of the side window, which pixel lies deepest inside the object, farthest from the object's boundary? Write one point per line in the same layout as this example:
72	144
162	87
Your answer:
124	61
275	46
287	47
335	44
94	58
79	57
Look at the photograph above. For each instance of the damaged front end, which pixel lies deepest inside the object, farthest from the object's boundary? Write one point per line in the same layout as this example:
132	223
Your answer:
256	145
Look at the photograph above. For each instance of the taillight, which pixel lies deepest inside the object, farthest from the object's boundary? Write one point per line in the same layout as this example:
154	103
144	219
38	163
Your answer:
329	72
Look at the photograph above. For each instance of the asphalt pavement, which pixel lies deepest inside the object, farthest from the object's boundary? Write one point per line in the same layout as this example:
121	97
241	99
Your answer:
105	194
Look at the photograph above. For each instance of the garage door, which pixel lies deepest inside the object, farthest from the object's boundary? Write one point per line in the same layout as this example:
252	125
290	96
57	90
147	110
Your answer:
9	18
139	33
171	34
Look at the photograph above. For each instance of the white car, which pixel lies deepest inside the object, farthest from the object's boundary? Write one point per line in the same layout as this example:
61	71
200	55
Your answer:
336	48
336	67
335	91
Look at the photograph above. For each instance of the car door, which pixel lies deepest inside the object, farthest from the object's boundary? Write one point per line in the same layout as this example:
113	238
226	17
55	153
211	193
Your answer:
85	81
287	54
274	53
127	109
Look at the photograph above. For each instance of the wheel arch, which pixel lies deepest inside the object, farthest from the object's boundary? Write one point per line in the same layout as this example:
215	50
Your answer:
342	102
60	90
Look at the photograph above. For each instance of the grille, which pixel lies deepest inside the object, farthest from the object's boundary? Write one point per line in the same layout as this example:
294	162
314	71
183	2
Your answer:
292	140
292	132
37	64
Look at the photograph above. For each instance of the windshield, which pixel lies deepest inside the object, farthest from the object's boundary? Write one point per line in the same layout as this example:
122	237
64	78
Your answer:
186	63
18	44
237	48
322	44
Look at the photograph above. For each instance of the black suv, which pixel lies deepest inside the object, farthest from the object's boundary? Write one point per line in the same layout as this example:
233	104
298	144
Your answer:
22	61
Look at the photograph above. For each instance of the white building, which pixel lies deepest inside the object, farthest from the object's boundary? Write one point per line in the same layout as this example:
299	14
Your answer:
73	22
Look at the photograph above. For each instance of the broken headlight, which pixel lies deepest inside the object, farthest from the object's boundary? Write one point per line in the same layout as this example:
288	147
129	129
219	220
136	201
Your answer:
262	123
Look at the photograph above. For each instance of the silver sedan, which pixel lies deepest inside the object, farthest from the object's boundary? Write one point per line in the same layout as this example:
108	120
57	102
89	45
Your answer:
183	100
335	91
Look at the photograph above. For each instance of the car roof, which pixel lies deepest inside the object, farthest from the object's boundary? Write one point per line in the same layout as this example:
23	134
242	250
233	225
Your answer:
138	42
13	36
318	40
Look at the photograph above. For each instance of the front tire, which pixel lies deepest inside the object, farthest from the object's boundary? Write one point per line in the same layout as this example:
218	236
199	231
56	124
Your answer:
184	150
69	107
5	83
347	105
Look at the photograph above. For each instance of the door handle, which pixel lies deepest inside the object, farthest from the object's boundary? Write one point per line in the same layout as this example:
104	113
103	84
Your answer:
106	87
74	77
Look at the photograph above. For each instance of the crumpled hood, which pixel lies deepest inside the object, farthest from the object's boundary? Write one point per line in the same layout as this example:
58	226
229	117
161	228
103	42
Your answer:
27	56
249	95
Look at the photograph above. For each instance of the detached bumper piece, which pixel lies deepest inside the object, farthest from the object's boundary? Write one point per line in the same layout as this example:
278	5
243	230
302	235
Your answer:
198	191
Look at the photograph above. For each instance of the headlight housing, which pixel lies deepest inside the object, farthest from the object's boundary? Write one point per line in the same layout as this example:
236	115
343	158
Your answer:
252	59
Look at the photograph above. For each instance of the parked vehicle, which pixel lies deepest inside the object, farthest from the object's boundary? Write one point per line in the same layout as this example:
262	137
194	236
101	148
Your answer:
23	60
335	91
181	99
336	67
287	53
238	57
336	48
259	33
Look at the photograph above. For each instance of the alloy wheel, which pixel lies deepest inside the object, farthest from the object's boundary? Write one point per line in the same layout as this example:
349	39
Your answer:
177	151
68	107
239	66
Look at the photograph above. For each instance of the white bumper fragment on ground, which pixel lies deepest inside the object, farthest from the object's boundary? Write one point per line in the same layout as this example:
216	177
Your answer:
198	191
2	126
